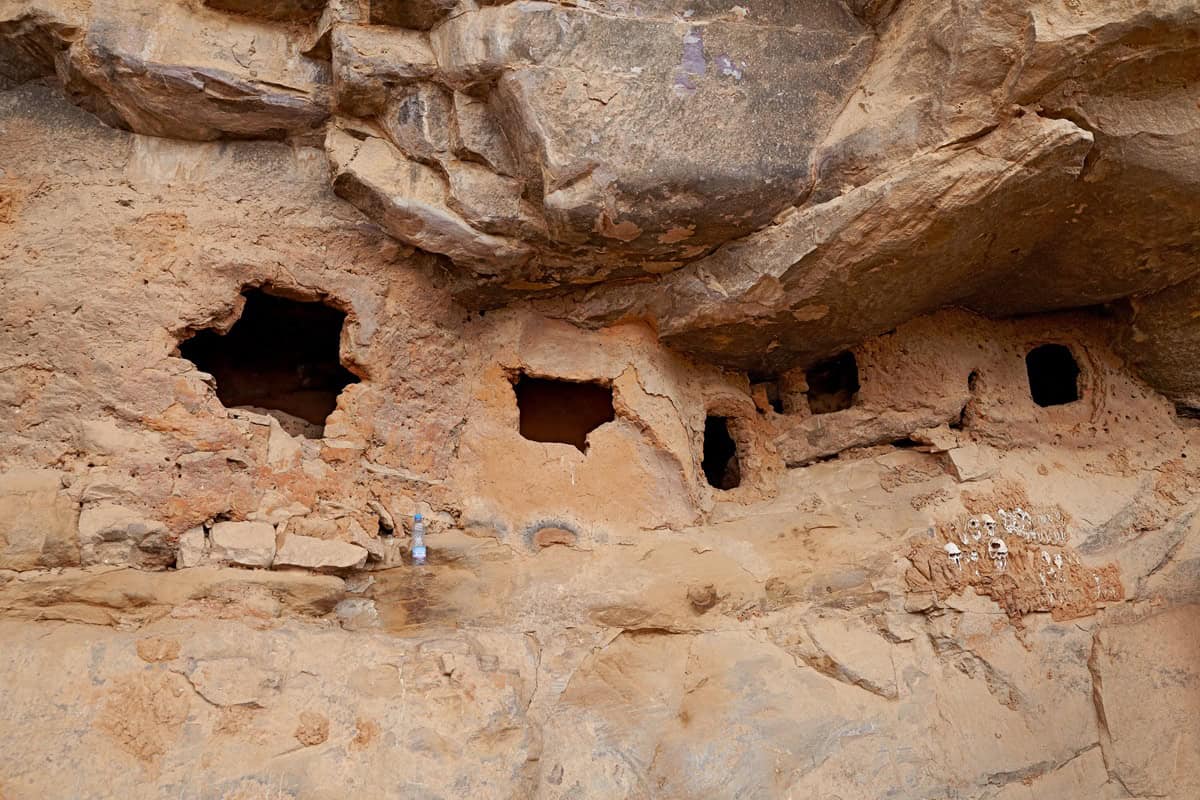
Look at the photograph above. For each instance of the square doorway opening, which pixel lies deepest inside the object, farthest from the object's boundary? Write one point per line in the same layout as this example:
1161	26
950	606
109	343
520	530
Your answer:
1053	375
554	410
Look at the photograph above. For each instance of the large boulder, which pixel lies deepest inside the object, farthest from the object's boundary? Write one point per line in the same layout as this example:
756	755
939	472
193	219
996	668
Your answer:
780	296
370	62
633	128
34	36
173	69
1052	165
409	200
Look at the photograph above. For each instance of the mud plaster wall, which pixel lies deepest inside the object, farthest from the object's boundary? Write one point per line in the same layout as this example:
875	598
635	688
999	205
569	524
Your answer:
954	371
101	405
640	471
101	399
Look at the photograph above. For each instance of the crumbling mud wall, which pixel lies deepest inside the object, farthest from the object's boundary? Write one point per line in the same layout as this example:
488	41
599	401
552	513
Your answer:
800	399
430	421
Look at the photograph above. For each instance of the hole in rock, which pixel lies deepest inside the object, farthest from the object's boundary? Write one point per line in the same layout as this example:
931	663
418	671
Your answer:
832	384
280	357
773	396
720	463
1185	411
1053	375
562	411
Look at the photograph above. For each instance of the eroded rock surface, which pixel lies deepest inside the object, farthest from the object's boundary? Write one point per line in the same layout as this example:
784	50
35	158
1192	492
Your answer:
799	399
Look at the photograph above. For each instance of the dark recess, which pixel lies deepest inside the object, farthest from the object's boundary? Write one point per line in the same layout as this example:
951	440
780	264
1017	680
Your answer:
832	383
720	463
1185	411
1053	375
773	397
281	354
562	411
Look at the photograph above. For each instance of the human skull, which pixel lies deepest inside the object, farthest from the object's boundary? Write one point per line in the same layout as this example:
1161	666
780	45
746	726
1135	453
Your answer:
998	550
989	524
954	553
975	528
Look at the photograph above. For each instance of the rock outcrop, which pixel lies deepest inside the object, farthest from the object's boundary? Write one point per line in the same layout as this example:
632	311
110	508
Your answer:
799	399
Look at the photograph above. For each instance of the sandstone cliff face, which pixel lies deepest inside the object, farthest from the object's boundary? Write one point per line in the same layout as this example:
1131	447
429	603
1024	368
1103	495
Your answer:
800	397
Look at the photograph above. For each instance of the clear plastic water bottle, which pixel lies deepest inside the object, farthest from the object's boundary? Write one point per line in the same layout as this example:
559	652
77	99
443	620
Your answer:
418	540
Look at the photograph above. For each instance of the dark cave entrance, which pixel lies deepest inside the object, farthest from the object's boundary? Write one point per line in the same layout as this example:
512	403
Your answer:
720	463
832	383
561	411
281	356
1053	375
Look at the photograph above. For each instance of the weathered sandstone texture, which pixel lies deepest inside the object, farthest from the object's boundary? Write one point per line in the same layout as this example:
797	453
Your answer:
801	399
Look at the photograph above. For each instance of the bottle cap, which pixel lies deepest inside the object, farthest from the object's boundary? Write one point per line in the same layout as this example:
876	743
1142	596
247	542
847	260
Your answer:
418	516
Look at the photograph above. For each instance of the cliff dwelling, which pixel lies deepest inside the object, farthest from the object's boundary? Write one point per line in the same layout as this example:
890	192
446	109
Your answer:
832	384
1053	375
720	462
562	411
280	356
605	400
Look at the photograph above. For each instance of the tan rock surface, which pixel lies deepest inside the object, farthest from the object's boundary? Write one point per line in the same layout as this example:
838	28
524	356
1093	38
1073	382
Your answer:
799	399
246	544
39	525
319	554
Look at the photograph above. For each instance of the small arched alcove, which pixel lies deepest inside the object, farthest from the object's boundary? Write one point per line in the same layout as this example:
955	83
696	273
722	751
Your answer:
833	383
1053	375
720	463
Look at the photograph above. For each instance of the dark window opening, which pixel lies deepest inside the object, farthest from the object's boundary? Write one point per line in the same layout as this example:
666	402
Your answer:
773	396
280	357
832	384
1053	375
1185	411
720	463
562	411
